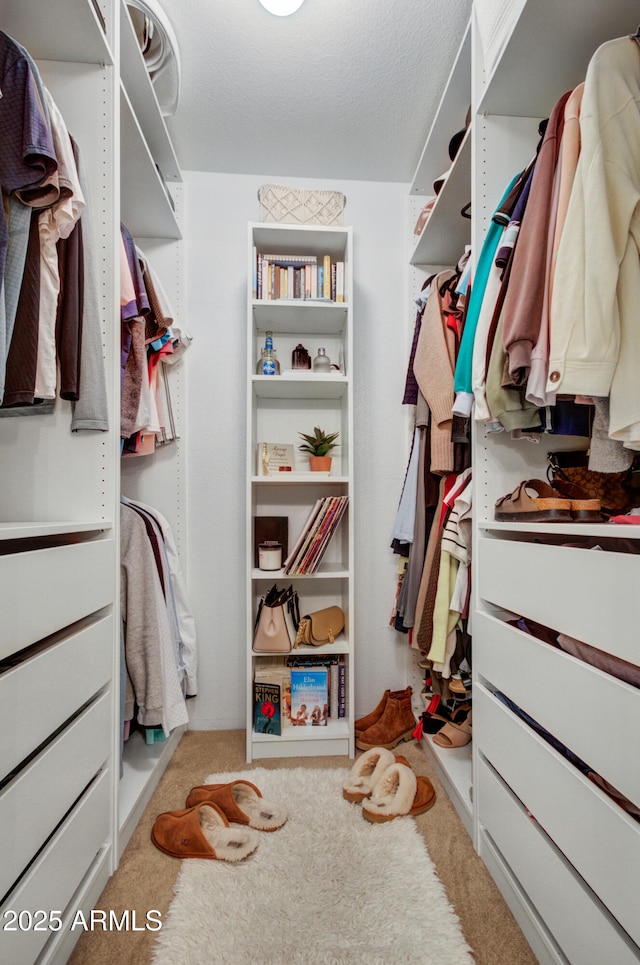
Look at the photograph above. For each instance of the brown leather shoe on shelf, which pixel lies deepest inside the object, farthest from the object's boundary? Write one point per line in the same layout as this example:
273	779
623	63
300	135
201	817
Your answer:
396	724
363	723
533	501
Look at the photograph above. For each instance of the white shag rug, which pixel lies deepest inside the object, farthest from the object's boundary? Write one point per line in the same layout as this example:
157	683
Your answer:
328	888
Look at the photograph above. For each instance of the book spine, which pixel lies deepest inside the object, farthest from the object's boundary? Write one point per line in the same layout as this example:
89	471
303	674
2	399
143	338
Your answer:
342	689
334	690
326	288
340	281
333	282
254	272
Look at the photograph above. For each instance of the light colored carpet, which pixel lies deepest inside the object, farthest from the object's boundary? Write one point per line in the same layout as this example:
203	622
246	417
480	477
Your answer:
328	887
146	876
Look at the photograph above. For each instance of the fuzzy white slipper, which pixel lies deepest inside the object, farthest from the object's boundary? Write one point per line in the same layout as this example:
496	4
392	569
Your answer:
366	772
392	796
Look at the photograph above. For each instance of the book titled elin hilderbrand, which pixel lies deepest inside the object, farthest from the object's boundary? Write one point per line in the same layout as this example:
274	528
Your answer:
309	696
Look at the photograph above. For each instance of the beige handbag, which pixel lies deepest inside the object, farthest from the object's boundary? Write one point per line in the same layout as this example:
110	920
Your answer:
319	627
277	621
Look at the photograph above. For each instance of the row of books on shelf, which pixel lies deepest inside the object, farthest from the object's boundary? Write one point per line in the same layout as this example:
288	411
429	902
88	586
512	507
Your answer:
299	691
317	533
297	276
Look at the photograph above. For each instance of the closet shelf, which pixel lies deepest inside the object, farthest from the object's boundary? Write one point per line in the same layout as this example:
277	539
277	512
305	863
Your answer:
32	530
311	478
144	101
72	34
327	571
288	316
446	233
299	387
451	112
602	530
536	50
145	206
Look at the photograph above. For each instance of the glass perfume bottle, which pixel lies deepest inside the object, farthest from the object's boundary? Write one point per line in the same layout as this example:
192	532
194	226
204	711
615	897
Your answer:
268	363
322	362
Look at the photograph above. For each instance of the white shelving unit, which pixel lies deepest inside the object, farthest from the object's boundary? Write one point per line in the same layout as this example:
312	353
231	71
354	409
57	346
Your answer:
563	853
59	553
442	243
446	233
59	536
278	407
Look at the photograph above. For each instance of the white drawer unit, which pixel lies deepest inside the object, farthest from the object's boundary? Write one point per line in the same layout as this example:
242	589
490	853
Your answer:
50	883
567	806
37	799
583	707
44	590
587	934
39	693
585	593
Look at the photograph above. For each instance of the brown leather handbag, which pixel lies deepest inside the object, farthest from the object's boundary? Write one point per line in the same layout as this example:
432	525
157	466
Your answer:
319	627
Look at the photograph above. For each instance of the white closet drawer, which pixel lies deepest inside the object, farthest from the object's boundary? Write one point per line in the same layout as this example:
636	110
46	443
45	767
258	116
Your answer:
596	836
585	708
587	594
55	876
42	591
34	802
38	695
588	935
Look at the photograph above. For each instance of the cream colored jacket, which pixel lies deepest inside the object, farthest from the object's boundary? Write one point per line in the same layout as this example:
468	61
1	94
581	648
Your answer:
595	309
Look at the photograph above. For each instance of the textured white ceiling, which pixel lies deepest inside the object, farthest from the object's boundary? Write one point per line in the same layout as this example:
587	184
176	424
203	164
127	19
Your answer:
341	89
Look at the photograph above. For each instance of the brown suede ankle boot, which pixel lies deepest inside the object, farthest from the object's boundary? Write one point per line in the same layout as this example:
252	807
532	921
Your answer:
363	723
396	724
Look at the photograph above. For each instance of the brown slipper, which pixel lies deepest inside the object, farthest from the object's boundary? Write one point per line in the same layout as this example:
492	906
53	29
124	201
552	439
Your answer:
398	793
533	501
242	803
202	832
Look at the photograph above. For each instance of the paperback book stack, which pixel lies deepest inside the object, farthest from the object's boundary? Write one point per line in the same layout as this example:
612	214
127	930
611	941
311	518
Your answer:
316	535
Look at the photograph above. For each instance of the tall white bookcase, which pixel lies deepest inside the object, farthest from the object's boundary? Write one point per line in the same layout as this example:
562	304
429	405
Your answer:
278	407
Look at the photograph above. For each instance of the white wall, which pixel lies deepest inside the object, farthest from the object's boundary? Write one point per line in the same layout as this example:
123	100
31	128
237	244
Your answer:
217	209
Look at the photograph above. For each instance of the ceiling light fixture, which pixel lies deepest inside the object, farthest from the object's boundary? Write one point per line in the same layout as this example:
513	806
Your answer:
281	8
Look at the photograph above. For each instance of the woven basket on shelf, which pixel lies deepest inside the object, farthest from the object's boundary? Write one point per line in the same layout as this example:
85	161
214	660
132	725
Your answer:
282	204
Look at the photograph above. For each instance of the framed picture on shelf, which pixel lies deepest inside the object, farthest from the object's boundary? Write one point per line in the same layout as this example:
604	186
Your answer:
274	458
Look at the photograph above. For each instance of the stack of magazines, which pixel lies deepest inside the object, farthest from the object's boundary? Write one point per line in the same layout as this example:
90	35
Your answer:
316	535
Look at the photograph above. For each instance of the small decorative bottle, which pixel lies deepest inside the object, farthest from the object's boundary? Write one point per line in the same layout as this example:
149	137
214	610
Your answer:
268	364
322	362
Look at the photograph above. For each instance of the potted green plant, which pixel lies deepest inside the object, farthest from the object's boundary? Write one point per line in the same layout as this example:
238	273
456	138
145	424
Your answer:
319	445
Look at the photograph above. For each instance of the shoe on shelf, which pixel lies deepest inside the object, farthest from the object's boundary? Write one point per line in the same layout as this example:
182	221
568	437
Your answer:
533	501
460	685
396	724
584	509
432	723
454	735
363	723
